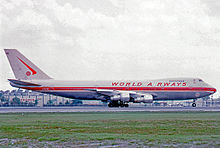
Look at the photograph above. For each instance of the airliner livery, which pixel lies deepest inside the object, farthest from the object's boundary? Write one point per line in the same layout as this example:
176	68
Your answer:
117	93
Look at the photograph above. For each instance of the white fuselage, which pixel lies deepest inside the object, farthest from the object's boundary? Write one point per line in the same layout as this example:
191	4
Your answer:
163	89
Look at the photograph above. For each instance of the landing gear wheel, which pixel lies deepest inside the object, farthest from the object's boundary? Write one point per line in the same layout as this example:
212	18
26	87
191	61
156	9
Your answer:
122	105
113	104
194	105
110	105
117	104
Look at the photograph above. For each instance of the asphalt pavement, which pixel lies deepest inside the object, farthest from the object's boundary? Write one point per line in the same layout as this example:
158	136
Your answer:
106	109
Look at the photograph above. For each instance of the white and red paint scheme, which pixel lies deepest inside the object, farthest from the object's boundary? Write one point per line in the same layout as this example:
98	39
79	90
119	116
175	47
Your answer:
117	93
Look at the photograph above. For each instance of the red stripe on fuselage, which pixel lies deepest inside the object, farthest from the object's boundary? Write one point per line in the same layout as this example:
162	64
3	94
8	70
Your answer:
125	88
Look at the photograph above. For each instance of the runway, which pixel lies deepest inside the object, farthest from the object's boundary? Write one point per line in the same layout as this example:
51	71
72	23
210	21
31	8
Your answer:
107	109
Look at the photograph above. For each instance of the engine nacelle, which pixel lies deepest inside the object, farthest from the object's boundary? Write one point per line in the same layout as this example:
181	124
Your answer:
146	98
121	97
116	98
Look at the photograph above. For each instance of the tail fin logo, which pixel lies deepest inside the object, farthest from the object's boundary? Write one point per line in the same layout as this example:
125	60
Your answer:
28	73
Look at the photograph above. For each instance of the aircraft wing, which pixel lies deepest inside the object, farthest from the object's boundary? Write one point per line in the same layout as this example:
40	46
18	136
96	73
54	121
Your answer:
126	95
106	92
109	92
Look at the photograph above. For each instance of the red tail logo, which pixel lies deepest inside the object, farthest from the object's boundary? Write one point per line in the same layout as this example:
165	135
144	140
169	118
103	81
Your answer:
31	69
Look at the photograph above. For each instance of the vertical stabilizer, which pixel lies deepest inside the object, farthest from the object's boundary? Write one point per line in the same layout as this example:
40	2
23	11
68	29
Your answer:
23	68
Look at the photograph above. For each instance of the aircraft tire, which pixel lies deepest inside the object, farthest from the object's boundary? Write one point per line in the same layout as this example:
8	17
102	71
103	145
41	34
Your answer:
113	105
122	105
116	105
194	105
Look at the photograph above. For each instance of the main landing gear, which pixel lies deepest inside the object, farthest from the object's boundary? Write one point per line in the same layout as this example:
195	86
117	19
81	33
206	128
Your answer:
117	104
194	103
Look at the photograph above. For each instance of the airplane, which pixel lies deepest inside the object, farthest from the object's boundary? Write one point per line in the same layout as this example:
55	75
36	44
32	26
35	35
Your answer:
117	93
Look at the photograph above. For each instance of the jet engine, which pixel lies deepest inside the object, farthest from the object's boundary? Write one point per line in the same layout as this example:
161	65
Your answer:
123	96
146	98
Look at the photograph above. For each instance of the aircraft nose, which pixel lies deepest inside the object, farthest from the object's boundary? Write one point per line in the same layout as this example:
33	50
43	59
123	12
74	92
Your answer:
214	89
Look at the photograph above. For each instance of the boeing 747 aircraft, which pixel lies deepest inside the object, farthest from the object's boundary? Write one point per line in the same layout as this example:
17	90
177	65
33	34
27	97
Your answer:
117	93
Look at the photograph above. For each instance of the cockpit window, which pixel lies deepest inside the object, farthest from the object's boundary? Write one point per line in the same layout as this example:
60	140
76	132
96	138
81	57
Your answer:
200	80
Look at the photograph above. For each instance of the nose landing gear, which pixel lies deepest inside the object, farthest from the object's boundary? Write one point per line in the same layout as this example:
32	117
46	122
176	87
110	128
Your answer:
194	103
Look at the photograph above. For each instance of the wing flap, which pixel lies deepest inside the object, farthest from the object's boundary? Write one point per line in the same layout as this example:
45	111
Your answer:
111	92
106	92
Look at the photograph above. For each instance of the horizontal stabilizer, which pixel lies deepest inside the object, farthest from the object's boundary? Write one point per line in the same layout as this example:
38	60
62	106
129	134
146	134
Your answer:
18	82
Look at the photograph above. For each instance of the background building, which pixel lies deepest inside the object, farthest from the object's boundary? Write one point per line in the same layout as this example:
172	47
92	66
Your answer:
21	97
